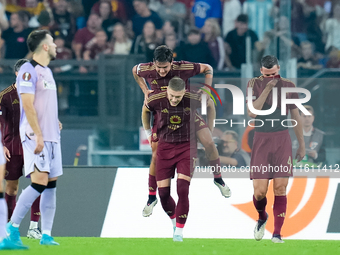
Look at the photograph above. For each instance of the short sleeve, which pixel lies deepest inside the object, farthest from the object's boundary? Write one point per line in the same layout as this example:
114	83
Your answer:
143	69
251	84
27	79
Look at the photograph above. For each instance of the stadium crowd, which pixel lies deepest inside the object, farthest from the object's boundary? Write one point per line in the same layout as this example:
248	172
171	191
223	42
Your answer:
206	31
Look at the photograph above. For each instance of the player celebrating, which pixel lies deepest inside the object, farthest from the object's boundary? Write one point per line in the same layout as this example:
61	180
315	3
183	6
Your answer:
9	119
158	75
272	146
177	147
40	135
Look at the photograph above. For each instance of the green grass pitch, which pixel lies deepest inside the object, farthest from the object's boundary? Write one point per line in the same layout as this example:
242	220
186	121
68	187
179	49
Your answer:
165	246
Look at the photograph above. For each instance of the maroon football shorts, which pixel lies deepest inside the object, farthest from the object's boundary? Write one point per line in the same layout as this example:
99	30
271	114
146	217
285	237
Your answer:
271	155
14	167
175	155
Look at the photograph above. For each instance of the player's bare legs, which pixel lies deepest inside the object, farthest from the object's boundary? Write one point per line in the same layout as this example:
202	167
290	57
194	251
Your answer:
280	207
260	202
177	213
205	137
152	201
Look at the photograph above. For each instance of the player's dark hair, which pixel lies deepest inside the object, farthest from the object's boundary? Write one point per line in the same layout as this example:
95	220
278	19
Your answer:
269	61
163	54
176	84
19	63
242	18
35	38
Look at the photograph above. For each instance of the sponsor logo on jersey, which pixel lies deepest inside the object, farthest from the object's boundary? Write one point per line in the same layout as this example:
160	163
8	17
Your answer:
154	82
165	111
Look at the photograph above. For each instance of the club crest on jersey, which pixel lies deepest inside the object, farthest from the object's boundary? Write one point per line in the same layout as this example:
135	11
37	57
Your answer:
175	119
26	76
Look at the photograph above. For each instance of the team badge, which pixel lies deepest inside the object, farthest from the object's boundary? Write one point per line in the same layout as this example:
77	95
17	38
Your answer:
175	119
26	76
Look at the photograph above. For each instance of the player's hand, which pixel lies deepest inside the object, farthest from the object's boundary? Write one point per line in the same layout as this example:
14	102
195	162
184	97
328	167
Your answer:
300	153
272	84
146	96
312	153
149	140
60	125
40	144
7	154
82	69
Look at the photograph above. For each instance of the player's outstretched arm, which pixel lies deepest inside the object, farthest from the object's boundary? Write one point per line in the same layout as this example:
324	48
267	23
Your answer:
258	103
146	117
211	114
31	115
142	84
208	72
299	134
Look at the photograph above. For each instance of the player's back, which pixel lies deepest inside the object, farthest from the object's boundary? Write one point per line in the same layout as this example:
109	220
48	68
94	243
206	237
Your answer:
38	80
182	69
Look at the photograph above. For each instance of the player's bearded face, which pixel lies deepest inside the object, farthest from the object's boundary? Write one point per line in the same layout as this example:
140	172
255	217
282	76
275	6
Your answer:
175	97
52	47
162	68
270	72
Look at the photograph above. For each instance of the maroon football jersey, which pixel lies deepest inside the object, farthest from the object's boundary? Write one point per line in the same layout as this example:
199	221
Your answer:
175	123
259	84
182	69
9	120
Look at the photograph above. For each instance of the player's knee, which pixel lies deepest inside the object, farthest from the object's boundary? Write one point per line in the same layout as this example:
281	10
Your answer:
280	191
38	187
260	194
183	188
164	193
11	191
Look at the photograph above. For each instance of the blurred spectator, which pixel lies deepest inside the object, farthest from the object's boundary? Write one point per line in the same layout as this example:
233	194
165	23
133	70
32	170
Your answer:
105	12
313	137
172	10
231	10
230	153
308	60
334	59
212	36
204	9
146	43
298	21
44	20
332	29
236	42
170	27
260	15
197	50
121	43
63	52
3	18
274	40
154	5
117	9
101	45
14	38
172	42
84	37
64	21
34	8
247	139
143	15
314	33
